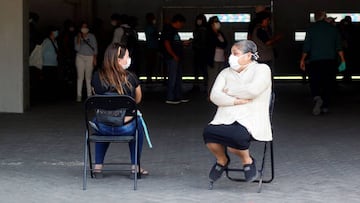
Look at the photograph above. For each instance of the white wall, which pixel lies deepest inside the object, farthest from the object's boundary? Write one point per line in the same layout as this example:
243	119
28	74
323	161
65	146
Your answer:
13	85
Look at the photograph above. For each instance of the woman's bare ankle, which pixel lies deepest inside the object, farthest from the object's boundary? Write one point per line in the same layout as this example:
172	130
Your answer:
98	167
248	160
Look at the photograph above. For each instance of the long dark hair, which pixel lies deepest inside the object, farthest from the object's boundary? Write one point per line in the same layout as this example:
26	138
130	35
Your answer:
112	73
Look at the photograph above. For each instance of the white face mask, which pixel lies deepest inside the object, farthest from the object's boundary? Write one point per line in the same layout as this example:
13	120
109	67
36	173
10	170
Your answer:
234	62
56	34
84	30
128	63
217	25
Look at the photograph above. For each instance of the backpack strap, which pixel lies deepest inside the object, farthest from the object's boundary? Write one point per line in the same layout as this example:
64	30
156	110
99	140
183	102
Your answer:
87	42
56	49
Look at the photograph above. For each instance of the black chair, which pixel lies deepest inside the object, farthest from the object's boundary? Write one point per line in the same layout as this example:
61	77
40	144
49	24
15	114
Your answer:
108	103
267	144
265	152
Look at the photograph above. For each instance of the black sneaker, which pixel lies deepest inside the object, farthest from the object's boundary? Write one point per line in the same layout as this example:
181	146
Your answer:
251	174
217	170
98	175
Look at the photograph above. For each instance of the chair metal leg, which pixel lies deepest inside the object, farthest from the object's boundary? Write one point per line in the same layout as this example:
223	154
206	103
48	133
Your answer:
90	160
85	165
137	170
272	161
260	183
271	165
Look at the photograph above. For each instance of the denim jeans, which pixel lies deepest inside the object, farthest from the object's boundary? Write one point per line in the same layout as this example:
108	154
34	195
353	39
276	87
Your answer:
125	130
174	69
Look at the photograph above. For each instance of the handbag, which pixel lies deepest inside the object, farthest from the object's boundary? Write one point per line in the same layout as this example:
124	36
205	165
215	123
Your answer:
36	57
111	118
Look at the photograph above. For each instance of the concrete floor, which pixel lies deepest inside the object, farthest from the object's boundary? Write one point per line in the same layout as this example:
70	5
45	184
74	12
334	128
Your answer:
317	159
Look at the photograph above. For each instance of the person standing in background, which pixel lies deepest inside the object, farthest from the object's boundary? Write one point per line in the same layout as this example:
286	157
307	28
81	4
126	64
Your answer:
217	44
86	48
152	45
125	34
34	71
101	38
173	54
322	45
264	39
199	45
349	38
66	46
50	51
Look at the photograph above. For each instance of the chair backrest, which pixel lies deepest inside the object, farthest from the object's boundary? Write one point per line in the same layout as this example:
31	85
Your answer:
110	103
271	106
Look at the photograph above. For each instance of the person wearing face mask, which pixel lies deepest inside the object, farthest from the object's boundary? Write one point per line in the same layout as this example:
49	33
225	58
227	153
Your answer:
86	48
199	45
152	45
242	94
217	44
50	70
114	79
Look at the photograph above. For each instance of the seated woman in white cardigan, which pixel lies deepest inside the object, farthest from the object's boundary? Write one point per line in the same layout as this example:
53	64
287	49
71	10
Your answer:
242	94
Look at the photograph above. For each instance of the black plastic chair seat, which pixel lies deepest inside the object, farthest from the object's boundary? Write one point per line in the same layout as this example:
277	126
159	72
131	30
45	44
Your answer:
102	138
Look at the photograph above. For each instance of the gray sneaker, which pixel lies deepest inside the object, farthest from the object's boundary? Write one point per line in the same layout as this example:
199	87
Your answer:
317	106
324	110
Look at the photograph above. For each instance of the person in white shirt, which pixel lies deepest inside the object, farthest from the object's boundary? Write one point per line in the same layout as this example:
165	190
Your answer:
242	94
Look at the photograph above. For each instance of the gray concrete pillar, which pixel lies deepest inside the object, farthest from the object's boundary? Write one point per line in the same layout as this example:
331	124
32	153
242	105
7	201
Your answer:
14	82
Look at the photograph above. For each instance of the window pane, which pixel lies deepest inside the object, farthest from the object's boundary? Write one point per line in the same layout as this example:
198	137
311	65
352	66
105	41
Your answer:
141	36
185	35
300	36
231	18
339	16
240	36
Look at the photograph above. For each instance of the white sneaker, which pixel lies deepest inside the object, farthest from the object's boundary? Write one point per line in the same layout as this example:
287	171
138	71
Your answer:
317	106
184	100
172	102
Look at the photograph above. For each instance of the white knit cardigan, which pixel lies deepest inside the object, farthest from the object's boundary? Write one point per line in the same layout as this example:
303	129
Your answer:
254	83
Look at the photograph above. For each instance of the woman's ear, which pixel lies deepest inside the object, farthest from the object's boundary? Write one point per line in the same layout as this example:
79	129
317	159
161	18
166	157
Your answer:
119	60
249	55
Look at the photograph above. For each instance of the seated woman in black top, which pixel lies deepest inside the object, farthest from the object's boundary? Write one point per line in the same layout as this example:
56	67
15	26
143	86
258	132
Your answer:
113	78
